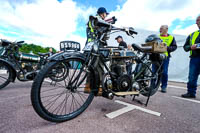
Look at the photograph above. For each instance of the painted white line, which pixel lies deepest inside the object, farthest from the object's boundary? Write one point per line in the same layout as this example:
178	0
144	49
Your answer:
128	108
191	100
47	80
119	112
178	87
3	71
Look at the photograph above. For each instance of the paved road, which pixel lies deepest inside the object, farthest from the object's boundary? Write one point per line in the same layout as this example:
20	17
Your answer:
177	115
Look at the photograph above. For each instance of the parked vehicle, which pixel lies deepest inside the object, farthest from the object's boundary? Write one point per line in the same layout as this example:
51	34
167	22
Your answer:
14	64
98	71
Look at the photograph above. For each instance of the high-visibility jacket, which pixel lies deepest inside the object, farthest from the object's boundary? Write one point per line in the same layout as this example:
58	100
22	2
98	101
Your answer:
168	40
91	31
193	37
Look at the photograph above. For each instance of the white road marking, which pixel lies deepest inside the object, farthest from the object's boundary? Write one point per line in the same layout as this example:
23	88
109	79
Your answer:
178	87
128	108
191	100
3	71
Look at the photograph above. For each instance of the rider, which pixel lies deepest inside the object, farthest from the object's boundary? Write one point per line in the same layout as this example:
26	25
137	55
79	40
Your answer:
91	30
91	34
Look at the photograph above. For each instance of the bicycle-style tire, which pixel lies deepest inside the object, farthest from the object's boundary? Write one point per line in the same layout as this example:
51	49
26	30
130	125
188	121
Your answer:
70	100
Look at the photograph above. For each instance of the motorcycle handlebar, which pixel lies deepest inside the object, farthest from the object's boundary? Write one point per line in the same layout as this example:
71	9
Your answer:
104	23
20	42
132	32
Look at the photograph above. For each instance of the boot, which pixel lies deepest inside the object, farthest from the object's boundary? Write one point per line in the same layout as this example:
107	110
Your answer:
100	91
87	88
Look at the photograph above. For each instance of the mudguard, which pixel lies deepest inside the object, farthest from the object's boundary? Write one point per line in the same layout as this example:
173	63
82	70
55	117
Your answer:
14	73
69	54
64	55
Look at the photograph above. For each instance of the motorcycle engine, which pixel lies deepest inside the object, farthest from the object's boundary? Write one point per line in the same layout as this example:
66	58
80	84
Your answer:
29	71
119	80
122	81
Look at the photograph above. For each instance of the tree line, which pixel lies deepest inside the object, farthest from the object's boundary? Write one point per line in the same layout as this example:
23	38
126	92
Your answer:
28	48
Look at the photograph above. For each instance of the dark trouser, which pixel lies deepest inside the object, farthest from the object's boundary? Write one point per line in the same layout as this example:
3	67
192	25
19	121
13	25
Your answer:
129	68
194	71
164	79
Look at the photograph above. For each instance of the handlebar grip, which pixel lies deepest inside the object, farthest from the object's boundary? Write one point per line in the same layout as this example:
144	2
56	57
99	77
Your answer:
133	32
20	42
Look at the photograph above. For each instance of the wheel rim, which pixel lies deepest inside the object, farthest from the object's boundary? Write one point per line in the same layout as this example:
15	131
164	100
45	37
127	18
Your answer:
65	98
152	83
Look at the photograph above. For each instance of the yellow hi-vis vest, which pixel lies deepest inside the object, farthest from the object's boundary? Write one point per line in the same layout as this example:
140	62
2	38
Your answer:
193	37
91	30
168	40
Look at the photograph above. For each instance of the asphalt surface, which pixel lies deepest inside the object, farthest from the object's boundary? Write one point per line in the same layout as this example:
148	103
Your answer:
177	115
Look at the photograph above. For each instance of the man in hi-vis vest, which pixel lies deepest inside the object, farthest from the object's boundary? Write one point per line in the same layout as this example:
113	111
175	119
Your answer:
191	45
171	46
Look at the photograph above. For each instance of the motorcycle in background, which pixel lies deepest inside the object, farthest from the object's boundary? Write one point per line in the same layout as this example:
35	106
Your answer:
14	64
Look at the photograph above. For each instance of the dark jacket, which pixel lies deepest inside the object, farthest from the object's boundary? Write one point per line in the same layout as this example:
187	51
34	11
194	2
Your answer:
187	47
172	47
122	43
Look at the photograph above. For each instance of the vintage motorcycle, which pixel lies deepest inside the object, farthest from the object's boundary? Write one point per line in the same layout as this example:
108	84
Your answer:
21	65
98	71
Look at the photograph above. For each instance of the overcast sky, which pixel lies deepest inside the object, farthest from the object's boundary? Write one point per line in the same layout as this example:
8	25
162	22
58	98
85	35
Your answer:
47	22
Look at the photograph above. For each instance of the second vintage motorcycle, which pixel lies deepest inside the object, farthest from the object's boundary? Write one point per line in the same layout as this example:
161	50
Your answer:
23	66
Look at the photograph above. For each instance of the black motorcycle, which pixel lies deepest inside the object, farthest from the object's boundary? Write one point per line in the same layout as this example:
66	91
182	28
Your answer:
98	71
14	64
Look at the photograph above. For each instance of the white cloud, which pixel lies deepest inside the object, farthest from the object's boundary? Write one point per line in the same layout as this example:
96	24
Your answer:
151	14
185	31
49	21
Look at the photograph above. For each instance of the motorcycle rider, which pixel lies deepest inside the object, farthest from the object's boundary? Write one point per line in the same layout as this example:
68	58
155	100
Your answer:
91	34
91	30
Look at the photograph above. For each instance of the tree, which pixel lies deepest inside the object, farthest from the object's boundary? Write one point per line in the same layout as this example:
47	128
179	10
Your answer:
27	48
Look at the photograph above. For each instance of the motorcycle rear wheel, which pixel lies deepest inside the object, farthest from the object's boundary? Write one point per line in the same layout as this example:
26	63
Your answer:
64	100
150	87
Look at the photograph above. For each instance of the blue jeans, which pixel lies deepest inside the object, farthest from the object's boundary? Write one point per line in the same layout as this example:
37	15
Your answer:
129	68
194	71
164	78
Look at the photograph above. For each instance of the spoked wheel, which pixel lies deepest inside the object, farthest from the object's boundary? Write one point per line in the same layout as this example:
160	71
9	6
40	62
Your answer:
64	100
153	79
5	74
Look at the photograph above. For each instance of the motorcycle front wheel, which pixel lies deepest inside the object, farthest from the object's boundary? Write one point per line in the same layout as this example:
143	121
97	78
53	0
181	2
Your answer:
5	74
64	100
